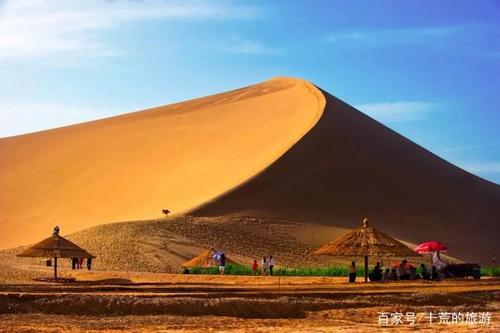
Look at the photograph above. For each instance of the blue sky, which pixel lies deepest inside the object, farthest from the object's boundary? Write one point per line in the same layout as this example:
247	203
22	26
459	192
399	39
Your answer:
428	69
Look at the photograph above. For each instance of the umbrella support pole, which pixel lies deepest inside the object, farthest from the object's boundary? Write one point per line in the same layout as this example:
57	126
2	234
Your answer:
366	268
55	268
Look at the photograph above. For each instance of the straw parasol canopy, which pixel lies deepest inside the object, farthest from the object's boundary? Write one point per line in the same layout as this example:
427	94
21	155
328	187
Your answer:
366	241
205	260
55	247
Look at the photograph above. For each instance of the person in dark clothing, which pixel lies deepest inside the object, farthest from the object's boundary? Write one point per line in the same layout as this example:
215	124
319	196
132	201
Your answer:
74	263
270	263
352	272
426	275
89	263
376	273
56	230
435	273
222	264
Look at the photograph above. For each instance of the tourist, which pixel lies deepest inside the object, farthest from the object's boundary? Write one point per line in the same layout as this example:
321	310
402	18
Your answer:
376	274
412	271
435	273
74	263
222	264
80	263
89	263
403	272
426	275
394	275
56	230
352	272
264	265
387	275
255	266
271	265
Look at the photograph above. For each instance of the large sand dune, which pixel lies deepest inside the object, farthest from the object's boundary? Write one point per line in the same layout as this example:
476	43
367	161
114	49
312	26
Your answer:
281	149
349	166
132	166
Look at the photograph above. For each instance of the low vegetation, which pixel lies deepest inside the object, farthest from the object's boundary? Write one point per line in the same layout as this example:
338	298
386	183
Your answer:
308	271
282	271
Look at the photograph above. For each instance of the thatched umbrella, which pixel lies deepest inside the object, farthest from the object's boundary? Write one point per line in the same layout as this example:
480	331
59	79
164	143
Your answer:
205	260
55	247
366	241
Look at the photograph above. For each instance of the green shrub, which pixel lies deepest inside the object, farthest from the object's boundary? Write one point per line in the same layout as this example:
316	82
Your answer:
490	271
282	271
311	271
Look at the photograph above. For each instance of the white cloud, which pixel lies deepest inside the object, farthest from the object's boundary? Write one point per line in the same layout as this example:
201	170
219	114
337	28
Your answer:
46	27
400	111
241	46
376	38
18	118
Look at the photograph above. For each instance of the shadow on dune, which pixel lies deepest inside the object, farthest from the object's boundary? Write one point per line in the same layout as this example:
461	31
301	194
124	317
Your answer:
349	166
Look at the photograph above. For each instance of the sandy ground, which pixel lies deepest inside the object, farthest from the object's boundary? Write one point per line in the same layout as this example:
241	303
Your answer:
146	302
164	245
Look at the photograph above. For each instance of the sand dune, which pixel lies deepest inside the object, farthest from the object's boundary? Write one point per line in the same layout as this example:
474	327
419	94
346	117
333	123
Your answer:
350	166
281	149
132	166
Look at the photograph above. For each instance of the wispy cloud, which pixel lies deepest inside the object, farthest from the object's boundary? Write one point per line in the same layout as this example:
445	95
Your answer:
20	117
376	38
468	147
401	111
481	167
241	46
46	27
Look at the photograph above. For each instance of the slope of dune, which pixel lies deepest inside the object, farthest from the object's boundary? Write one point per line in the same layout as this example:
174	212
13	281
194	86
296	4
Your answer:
282	149
163	245
349	166
132	166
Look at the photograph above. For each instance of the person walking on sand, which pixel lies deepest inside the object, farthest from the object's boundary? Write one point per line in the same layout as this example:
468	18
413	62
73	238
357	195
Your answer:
264	265
255	266
271	265
222	264
352	272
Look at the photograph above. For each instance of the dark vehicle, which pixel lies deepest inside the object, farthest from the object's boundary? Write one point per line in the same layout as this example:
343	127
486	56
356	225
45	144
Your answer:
464	270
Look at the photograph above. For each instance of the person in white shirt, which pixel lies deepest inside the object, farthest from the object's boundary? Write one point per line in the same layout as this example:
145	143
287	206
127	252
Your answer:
264	265
271	265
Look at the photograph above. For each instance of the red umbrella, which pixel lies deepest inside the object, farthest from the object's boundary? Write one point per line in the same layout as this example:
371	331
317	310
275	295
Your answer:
430	246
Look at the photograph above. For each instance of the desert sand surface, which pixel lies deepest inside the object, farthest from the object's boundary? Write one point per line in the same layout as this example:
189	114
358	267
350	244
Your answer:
155	302
283	149
132	166
163	245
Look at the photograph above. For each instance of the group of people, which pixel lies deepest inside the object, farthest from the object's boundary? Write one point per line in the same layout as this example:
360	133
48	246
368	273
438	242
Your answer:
77	263
403	271
267	266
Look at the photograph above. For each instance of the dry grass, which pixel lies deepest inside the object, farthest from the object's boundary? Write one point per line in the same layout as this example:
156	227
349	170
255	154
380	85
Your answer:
366	241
